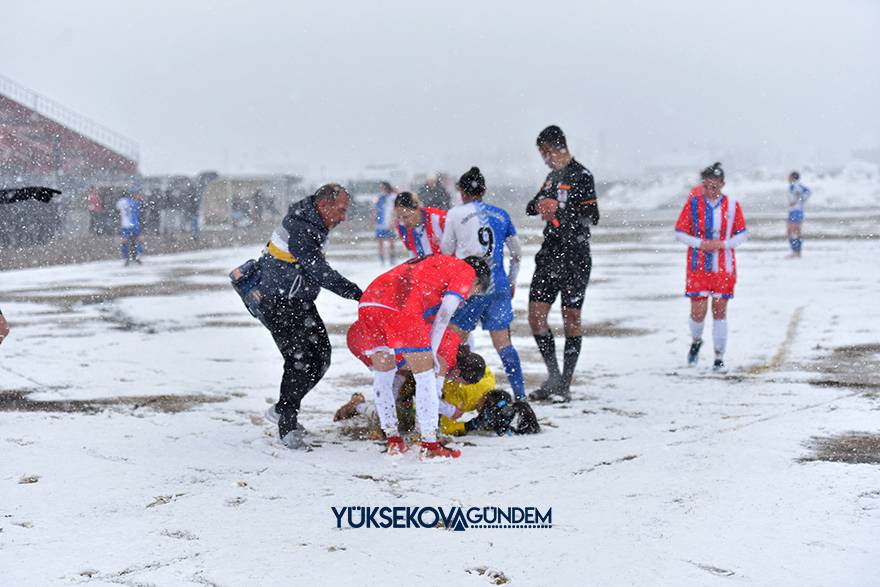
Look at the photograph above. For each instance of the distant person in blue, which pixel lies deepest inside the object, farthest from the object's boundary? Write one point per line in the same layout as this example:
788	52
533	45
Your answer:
475	228
798	194
129	207
384	221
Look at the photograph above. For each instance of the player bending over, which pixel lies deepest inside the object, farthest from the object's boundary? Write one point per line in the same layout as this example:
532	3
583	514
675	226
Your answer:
394	308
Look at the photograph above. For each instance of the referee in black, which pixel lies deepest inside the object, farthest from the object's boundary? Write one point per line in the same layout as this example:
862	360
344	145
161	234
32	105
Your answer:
567	203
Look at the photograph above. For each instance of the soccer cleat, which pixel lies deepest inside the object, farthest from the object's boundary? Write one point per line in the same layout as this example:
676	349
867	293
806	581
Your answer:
719	365
396	446
432	450
561	395
294	440
553	385
694	352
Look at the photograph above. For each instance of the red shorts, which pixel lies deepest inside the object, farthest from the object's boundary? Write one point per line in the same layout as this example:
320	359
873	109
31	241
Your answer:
702	284
364	339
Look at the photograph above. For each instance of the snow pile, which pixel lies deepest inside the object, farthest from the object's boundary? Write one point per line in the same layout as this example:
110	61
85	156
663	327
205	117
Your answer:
856	185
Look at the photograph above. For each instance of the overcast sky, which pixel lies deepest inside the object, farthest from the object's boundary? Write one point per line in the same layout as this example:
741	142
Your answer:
328	88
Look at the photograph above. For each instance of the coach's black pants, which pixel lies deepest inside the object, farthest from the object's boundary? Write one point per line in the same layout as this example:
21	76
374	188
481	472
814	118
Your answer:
302	339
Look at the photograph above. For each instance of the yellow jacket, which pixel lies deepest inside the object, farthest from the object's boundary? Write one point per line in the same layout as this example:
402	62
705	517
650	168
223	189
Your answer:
465	398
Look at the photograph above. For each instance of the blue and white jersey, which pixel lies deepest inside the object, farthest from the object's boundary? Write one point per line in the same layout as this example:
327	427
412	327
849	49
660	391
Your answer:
482	230
798	193
129	213
385	212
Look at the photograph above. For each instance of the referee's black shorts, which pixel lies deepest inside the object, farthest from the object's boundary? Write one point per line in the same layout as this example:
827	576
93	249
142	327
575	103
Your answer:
567	278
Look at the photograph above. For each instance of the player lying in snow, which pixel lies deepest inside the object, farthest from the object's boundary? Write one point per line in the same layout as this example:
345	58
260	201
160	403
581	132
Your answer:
469	386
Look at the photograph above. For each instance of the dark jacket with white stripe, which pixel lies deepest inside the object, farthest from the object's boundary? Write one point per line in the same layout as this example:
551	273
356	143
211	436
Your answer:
294	265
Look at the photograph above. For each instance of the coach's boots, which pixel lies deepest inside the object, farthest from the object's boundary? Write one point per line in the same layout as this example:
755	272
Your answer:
291	432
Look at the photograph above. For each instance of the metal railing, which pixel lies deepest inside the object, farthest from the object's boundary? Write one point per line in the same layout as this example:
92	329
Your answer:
67	117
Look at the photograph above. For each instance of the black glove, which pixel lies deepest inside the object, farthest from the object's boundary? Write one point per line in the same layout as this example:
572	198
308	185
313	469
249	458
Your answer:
475	423
30	193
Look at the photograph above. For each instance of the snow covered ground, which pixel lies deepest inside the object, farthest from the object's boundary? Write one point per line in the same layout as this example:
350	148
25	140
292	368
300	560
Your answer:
133	449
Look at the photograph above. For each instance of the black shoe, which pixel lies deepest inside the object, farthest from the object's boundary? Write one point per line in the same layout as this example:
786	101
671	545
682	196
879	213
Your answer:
719	365
552	386
286	423
562	395
694	353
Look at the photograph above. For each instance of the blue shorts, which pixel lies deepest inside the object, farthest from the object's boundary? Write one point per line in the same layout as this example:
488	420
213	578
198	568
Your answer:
129	232
796	216
384	233
495	311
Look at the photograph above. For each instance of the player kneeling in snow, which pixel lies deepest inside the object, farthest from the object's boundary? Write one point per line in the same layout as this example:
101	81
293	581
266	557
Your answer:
395	310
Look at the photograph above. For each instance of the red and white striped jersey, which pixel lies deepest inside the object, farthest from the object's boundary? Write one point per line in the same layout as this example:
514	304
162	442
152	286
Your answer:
424	239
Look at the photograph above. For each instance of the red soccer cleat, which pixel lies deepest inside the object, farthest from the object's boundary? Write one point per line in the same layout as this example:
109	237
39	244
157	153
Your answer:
396	445
432	450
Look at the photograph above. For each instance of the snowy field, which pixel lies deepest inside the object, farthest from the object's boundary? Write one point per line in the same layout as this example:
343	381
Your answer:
133	449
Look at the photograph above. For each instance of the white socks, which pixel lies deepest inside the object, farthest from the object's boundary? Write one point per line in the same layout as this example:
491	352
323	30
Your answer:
383	387
427	404
696	329
719	334
719	337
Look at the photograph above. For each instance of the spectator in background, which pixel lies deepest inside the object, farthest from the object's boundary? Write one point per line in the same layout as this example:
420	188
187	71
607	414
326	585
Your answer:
259	205
192	205
384	221
129	207
239	212
433	194
96	210
151	214
175	196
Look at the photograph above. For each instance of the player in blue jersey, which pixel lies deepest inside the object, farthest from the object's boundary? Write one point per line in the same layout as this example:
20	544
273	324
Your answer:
798	194
384	221
475	228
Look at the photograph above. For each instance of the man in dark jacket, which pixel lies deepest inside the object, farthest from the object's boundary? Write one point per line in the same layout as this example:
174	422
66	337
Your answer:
293	271
11	196
567	203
